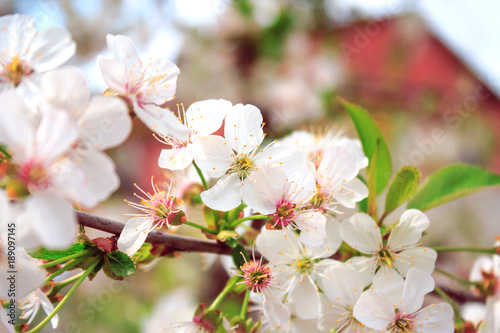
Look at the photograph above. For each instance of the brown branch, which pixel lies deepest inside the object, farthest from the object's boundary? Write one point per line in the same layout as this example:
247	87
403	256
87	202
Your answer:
175	242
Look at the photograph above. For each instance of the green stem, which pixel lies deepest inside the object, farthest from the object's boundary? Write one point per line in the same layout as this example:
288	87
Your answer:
60	285
229	286
62	269
210	231
65	299
3	150
68	258
490	250
254	217
205	185
456	278
244	307
448	299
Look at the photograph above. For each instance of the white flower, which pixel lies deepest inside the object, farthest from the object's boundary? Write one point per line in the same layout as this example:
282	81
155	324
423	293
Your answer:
284	200
159	210
201	119
4	322
400	253
342	288
300	266
393	305
24	52
144	86
32	303
235	157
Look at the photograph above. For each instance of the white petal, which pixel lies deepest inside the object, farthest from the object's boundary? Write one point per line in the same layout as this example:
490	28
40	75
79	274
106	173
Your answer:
161	121
53	220
312	225
350	192
51	48
344	284
332	241
278	245
205	117
124	52
263	195
474	312
66	89
373	311
409	229
493	313
243	128
16	33
29	276
47	308
305	298
274	311
389	283
213	155
418	284
361	233
176	158
114	75
225	194
482	264
365	266
355	148
337	167
105	123
4	320
134	234
160	81
436	318
419	257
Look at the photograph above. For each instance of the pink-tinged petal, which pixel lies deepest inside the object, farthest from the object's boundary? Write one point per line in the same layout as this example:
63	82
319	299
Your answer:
50	49
225	194
419	257
161	121
436	318
361	233
16	33
312	225
481	264
350	192
113	73
332	241
105	123
205	117
373	310
305	298
53	219
278	246
56	134
409	229
274	311
134	234
267	189
47	308
243	128
355	148
365	266
124	52
66	89
89	179
418	284
337	167
17	130
213	155
176	158
160	81
342	284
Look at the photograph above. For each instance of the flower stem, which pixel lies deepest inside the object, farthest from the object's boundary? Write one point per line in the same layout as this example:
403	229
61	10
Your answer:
65	299
62	269
448	299
254	217
229	286
68	258
456	278
490	250
205	185
60	285
244	307
3	150
210	231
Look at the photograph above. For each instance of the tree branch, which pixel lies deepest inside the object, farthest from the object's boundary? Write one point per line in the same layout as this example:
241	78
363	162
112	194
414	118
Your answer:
175	242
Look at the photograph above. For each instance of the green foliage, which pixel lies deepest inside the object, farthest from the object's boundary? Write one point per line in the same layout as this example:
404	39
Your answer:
239	255
371	138
451	183
119	263
44	254
272	39
402	188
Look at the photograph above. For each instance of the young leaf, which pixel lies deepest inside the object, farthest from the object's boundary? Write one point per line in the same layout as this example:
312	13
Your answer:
120	263
45	254
451	183
371	137
402	188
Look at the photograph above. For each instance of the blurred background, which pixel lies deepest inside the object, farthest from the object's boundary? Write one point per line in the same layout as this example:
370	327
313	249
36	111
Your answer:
428	71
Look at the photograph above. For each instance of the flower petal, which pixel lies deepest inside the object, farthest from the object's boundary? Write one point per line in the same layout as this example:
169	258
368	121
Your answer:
16	34
160	81
213	155
361	233
365	266
176	158
134	234
436	318
312	225
225	194
274	311
409	229
373	311
66	89
50	49
332	241
305	298
278	245
342	284
161	121
351	192
419	257
417	284
243	128
337	167
47	308
114	75
124	52
205	117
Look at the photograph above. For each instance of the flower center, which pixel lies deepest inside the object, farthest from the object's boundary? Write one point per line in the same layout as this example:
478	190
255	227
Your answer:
257	277
385	257
285	213
304	265
15	71
320	200
403	325
243	166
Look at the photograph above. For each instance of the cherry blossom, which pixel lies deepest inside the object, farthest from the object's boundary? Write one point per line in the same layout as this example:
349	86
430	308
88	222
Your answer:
32	303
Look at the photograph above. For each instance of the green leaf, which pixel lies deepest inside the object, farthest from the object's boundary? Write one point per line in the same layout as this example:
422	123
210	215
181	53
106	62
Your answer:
45	254
363	204
239	255
370	137
402	188
451	183
120	263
